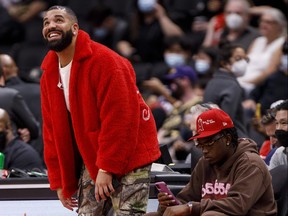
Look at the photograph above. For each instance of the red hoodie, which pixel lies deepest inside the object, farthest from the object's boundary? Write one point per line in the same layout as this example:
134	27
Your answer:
114	128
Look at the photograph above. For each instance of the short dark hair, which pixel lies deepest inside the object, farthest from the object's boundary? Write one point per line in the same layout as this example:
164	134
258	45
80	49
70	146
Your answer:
211	52
226	52
68	10
268	118
234	135
282	106
182	41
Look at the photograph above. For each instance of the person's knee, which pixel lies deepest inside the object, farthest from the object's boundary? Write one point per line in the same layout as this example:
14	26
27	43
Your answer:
213	213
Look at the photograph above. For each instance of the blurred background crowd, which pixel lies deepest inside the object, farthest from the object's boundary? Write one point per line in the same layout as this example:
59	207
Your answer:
178	48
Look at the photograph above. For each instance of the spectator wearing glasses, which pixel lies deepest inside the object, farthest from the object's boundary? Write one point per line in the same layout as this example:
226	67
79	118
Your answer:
230	178
265	51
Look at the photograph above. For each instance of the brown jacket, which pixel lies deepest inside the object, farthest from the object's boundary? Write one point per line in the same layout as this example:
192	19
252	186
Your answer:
241	186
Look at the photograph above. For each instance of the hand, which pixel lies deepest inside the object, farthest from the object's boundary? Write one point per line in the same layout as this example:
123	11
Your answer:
159	11
103	185
249	104
125	48
24	134
155	85
68	203
165	200
179	210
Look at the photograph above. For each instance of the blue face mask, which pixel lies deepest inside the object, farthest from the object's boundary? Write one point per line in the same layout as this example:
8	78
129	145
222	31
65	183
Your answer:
202	66
100	32
174	59
146	6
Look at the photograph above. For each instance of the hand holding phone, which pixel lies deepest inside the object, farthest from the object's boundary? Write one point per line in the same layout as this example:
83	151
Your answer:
162	187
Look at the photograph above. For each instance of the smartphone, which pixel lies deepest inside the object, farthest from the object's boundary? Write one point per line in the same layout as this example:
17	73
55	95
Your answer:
162	187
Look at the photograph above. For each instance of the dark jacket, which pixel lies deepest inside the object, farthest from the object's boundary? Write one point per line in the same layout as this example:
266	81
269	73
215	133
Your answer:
274	88
22	156
31	95
20	114
224	90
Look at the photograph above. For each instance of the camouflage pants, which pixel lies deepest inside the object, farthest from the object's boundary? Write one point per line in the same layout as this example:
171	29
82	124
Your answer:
131	198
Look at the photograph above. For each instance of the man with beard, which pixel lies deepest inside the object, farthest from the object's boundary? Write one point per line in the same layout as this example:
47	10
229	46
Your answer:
182	94
280	156
93	112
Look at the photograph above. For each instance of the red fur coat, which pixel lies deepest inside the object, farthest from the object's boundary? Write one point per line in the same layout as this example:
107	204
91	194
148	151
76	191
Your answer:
114	128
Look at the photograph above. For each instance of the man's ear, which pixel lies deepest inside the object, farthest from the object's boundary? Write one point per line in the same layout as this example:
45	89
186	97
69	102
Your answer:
75	29
229	138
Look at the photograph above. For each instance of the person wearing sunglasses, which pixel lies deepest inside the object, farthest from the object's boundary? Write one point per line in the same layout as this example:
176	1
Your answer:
230	178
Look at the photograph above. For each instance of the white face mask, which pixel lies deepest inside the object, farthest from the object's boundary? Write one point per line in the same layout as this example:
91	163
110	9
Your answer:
239	67
284	63
202	66
146	6
174	59
234	21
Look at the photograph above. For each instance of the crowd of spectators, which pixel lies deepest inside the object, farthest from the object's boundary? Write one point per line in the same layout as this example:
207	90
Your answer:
232	53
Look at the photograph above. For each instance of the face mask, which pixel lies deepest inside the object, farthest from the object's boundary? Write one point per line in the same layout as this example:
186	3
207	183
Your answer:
282	137
146	6
239	68
2	140
234	21
284	63
100	32
174	59
202	66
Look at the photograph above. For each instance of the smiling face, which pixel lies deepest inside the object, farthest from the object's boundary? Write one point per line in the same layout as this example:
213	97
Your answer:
59	29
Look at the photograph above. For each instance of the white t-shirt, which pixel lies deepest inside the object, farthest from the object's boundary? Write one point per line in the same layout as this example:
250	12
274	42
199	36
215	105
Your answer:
65	79
278	158
260	57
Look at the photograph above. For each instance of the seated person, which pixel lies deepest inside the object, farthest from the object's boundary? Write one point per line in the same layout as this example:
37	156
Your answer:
104	27
280	157
18	154
273	88
230	178
271	143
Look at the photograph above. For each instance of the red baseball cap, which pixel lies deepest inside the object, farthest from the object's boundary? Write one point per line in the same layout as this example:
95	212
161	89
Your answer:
211	122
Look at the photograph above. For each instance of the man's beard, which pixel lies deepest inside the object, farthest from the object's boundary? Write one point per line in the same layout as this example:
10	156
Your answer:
59	45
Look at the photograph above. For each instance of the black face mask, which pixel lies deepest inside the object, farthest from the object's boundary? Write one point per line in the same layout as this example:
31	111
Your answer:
2	140
282	137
